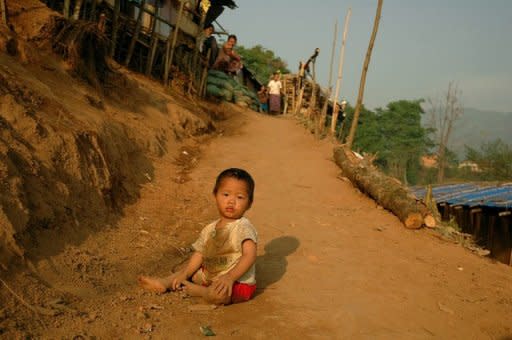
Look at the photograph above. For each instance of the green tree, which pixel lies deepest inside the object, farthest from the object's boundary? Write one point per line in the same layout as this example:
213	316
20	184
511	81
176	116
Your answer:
262	62
396	136
494	159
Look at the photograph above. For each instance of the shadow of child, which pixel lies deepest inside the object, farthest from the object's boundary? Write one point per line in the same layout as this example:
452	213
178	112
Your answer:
271	266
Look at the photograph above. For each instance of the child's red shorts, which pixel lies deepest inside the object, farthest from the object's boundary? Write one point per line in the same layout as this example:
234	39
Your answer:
242	292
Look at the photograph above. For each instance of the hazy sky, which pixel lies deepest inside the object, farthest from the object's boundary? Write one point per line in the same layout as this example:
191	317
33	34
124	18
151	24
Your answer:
421	45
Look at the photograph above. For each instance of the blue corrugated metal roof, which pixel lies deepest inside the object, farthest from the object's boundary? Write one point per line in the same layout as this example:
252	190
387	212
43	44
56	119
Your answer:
470	194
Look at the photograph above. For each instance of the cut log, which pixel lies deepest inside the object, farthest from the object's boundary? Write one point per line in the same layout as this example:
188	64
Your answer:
385	190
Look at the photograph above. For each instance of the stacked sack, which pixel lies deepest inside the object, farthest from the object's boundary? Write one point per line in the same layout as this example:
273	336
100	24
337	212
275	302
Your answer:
222	86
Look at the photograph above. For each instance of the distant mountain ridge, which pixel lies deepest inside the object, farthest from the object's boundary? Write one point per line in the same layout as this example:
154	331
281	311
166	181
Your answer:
476	127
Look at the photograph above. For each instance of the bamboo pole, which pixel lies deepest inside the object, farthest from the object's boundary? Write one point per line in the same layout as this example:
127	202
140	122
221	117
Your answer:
334	119
172	45
335	37
357	109
135	34
4	11
323	116
153	45
65	10
115	27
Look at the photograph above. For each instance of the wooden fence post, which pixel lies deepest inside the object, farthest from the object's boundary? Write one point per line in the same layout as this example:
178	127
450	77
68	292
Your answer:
334	120
172	45
357	109
323	116
135	33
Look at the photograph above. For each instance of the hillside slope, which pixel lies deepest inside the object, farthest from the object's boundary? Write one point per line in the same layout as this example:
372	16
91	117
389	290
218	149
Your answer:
69	156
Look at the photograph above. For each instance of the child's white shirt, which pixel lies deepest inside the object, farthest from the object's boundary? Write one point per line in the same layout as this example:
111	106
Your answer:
222	249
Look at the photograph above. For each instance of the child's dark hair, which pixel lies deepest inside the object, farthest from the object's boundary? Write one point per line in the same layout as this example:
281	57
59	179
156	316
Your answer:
239	174
232	36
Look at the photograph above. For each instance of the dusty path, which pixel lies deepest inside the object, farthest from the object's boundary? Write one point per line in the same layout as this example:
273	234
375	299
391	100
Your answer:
353	270
331	263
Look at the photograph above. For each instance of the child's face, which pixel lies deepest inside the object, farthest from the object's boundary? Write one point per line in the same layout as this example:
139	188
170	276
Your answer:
232	198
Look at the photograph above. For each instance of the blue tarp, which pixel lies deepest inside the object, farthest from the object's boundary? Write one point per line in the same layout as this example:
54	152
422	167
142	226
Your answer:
470	194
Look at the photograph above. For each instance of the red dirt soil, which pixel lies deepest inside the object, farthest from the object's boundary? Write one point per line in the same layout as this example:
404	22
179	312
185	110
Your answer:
97	190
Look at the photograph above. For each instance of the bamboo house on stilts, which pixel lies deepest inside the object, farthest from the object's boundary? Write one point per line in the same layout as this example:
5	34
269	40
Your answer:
155	37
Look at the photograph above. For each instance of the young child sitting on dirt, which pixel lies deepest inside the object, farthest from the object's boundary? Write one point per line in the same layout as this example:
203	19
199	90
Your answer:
222	268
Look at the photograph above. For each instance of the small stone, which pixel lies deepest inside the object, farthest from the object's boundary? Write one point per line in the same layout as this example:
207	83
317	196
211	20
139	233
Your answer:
207	331
148	327
124	298
444	308
142	315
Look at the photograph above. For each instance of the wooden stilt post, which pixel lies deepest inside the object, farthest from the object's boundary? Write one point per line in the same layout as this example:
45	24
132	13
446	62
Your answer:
334	120
357	109
135	33
202	84
3	8
196	51
323	116
102	22
115	27
76	11
92	16
65	10
172	45
153	45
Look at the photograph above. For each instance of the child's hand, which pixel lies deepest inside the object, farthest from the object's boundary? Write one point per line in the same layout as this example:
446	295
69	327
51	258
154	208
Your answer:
223	285
177	280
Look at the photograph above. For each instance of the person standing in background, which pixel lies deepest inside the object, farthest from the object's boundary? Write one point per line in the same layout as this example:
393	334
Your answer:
275	87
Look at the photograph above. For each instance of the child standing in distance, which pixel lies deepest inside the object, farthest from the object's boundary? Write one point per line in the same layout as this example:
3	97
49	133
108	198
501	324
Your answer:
263	97
222	268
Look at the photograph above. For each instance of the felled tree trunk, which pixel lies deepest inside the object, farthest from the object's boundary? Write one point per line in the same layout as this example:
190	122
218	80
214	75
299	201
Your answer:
385	190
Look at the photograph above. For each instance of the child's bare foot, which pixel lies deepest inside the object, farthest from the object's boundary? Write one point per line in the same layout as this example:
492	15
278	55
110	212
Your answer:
193	289
152	284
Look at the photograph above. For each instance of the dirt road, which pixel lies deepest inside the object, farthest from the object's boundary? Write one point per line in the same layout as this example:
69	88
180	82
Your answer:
331	263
